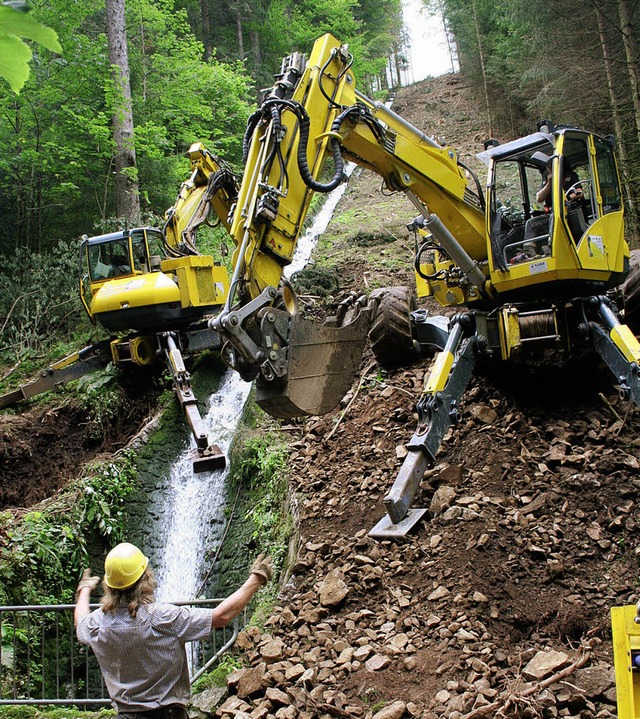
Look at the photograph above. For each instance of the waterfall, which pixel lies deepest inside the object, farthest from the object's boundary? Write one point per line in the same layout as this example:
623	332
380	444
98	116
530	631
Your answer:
195	502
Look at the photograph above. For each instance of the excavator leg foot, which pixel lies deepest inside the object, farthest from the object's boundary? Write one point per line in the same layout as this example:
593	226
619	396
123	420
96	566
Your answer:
208	460
386	529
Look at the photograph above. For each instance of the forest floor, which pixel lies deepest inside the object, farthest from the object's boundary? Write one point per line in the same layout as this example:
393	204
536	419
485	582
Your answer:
532	532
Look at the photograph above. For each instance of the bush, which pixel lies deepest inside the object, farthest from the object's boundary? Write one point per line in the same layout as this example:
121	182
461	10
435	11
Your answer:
39	298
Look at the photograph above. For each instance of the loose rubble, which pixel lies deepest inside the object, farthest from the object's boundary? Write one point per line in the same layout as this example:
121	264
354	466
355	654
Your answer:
507	583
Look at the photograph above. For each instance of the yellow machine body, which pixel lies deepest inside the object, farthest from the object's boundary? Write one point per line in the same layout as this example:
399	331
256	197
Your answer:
626	660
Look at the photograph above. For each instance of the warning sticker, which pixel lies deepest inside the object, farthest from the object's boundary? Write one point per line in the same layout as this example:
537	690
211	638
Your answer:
535	268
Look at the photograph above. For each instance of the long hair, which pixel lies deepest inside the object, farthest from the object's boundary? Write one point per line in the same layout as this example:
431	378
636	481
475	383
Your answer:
142	592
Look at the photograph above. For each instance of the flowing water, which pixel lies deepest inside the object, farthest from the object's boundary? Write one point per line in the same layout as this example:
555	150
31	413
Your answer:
195	502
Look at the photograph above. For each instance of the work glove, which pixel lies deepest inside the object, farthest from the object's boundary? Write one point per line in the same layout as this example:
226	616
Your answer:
263	568
87	581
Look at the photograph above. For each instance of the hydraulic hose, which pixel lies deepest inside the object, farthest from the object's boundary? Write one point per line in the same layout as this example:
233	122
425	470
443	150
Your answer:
303	166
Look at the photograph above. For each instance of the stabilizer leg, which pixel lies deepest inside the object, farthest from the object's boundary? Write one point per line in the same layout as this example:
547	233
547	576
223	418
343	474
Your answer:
620	350
72	367
626	659
206	457
437	410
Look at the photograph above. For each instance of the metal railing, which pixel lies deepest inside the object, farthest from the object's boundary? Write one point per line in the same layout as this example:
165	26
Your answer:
42	662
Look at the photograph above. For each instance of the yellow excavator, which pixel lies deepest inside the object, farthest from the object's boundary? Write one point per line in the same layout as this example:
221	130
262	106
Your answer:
153	291
531	277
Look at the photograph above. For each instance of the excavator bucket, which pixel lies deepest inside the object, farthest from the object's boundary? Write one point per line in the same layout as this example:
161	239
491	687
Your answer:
322	365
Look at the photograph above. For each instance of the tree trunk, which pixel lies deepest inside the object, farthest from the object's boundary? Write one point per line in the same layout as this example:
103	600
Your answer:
239	33
255	49
127	197
615	112
396	57
485	84
205	16
631	52
450	43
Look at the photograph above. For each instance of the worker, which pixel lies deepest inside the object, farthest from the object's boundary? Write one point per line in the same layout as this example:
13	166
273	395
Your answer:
569	184
139	643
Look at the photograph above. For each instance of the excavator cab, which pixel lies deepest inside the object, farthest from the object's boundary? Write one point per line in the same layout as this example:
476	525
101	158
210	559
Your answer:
120	253
129	283
574	233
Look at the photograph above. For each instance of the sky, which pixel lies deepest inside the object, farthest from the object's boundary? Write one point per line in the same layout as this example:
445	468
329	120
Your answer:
429	54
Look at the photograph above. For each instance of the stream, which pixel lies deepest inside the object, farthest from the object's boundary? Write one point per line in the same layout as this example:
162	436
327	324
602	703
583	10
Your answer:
194	503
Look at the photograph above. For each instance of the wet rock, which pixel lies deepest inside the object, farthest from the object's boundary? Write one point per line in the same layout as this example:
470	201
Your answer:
272	651
247	682
377	663
483	414
277	697
209	699
333	589
232	706
438	593
596	680
441	500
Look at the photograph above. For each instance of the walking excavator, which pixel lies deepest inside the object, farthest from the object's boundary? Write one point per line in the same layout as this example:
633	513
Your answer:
521	277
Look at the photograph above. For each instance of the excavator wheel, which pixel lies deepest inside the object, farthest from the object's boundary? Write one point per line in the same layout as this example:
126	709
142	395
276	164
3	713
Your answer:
390	335
631	294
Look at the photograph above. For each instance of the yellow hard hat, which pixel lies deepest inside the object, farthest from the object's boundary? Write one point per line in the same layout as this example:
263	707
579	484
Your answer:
124	565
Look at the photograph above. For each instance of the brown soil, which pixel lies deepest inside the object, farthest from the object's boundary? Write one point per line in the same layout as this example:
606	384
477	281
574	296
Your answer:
42	448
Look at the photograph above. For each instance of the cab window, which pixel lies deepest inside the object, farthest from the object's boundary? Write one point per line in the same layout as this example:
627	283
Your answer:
139	248
520	226
109	259
577	187
607	177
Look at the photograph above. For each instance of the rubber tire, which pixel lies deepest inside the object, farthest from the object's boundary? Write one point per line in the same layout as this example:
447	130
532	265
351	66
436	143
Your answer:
390	334
631	294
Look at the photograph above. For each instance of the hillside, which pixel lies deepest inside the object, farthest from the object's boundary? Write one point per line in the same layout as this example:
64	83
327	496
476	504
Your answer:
531	537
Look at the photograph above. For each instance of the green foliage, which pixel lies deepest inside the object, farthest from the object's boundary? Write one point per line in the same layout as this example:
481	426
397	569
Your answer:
263	470
217	677
103	399
39	299
42	553
56	145
16	54
34	712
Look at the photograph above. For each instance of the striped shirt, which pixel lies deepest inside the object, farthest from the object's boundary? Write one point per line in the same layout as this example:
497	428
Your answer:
142	659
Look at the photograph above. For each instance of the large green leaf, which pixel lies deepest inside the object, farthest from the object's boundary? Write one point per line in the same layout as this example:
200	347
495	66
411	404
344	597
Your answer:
14	61
14	53
23	25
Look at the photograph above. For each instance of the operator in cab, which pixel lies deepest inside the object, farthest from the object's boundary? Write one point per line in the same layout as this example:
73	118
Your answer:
140	643
569	179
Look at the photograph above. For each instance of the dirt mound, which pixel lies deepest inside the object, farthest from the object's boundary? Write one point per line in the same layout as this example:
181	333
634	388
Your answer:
42	449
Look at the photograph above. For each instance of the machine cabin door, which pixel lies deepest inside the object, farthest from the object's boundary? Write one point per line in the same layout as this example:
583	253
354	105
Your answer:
592	212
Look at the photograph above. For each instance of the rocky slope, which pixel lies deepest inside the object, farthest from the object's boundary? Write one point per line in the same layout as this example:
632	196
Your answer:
497	604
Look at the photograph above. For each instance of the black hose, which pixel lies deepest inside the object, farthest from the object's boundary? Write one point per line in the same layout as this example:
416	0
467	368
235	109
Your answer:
479	191
303	166
252	123
338	175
